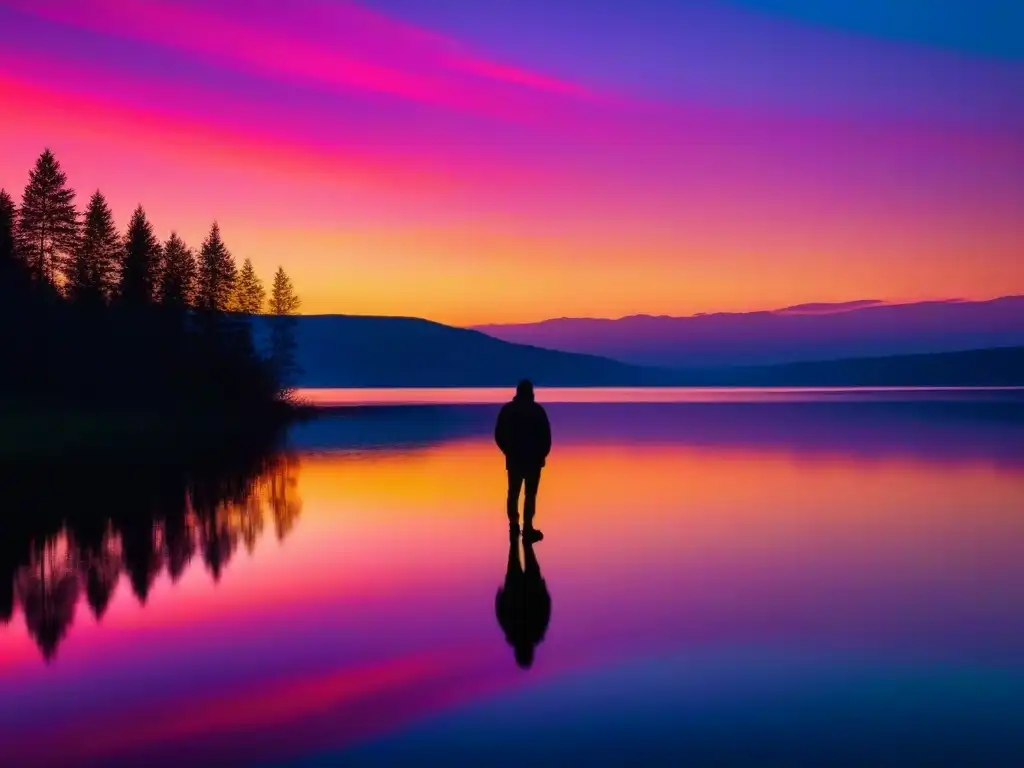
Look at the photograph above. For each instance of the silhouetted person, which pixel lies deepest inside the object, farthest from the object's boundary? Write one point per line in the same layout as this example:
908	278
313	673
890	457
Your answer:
523	434
523	605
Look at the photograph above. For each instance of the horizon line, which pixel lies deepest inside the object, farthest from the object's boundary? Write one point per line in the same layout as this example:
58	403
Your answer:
840	307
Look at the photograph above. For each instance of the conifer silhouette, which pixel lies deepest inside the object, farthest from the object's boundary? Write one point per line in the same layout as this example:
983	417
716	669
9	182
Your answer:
93	272
217	274
250	295
47	219
91	319
283	300
283	305
8	217
140	271
178	279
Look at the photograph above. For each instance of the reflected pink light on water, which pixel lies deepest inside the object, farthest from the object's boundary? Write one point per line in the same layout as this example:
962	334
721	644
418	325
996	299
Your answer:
397	555
493	395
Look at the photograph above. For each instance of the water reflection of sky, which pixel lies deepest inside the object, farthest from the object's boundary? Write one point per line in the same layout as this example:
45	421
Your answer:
725	579
331	397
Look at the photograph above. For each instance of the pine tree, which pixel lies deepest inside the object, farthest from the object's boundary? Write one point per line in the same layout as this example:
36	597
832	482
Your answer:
249	295
13	271
140	270
178	284
283	306
8	217
217	274
93	272
24	329
47	220
283	300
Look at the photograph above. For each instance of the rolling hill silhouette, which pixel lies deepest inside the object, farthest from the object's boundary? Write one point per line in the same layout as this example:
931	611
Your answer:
362	351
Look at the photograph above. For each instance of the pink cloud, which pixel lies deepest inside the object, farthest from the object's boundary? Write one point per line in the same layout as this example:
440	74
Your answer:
345	48
701	167
828	308
206	141
395	35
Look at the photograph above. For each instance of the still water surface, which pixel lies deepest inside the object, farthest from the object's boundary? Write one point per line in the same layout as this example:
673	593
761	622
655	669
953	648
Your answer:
789	580
328	397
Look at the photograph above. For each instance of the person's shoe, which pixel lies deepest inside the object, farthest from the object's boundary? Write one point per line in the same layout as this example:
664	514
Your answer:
532	535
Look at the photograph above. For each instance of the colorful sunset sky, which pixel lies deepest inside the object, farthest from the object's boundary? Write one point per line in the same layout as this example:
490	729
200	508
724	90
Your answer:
514	160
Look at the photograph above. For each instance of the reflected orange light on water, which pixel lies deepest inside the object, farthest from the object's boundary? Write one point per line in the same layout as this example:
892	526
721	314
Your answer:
369	517
398	553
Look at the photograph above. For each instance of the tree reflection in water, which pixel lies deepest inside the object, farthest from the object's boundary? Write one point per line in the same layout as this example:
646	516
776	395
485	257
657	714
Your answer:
71	530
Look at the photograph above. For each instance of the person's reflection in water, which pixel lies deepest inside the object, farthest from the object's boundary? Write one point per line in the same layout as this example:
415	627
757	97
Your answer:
523	605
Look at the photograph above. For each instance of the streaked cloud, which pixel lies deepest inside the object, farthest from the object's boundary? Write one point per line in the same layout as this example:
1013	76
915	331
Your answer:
350	49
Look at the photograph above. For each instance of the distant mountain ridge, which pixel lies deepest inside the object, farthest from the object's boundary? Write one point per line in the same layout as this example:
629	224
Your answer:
999	367
863	328
359	351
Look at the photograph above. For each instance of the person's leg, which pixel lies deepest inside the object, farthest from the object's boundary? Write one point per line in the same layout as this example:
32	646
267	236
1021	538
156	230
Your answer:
532	481
515	482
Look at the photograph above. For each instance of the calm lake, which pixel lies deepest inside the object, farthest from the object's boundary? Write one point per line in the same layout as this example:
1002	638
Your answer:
791	577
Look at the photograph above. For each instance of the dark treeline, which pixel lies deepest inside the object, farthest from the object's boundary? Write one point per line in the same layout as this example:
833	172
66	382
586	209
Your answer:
78	529
90	316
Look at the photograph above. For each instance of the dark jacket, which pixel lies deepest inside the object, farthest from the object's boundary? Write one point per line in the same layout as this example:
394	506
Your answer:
523	434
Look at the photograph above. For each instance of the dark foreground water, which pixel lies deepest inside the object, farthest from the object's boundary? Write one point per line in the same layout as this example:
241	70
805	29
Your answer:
813	580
